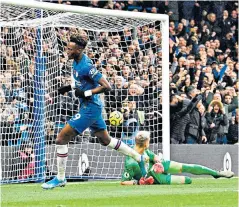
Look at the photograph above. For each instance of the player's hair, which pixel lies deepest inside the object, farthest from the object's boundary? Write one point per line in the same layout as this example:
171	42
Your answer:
141	137
79	40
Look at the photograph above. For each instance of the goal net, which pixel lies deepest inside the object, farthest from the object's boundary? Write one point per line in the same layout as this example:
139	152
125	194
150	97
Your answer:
128	51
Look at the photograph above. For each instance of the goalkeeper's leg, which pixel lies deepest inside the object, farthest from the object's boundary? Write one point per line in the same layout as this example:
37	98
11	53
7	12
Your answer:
167	179
176	167
66	134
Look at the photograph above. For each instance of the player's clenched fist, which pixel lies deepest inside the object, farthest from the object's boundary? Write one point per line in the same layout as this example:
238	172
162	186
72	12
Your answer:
78	93
81	94
64	89
146	181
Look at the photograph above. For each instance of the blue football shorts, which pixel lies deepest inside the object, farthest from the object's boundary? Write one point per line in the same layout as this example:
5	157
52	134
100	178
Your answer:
88	117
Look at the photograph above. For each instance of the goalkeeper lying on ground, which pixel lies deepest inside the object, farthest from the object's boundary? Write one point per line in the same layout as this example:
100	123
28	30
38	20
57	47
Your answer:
158	170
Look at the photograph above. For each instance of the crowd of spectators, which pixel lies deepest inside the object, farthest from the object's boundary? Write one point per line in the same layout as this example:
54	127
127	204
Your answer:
203	74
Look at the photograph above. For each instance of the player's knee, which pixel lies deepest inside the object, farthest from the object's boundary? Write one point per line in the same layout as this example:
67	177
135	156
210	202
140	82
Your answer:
60	141
103	142
188	180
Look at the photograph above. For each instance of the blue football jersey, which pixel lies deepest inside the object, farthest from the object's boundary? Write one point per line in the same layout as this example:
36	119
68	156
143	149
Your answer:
86	77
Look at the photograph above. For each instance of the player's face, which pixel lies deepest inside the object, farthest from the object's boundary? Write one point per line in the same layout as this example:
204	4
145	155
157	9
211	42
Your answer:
73	51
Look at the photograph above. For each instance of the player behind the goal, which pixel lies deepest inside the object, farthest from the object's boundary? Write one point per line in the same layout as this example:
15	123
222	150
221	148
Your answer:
159	171
89	83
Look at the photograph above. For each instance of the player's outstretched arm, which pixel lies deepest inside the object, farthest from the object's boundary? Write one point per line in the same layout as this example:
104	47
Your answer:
142	181
130	182
131	170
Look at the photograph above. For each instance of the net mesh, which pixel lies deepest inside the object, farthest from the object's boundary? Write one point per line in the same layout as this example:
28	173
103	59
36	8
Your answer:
25	17
34	64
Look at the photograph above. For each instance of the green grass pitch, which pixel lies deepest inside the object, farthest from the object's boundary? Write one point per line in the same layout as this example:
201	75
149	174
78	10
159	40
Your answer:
206	192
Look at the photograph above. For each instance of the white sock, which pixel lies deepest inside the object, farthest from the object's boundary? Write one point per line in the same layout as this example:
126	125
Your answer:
62	154
124	149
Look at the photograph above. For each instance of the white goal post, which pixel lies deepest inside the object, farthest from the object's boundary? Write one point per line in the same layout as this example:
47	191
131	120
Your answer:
29	35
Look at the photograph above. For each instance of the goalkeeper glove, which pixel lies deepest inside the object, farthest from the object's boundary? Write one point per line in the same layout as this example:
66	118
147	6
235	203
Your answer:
146	181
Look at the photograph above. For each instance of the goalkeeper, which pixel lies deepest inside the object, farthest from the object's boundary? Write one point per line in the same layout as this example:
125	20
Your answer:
159	171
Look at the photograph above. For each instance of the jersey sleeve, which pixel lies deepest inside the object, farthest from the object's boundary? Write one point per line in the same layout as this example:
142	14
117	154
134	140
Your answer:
94	74
151	155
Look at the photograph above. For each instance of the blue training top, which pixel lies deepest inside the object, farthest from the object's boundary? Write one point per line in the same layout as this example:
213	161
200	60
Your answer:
86	78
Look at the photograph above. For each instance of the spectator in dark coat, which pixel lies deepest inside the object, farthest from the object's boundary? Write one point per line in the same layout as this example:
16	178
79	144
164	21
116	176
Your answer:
231	5
232	136
205	6
213	25
177	122
225	23
234	18
230	105
216	118
188	10
218	7
181	119
181	30
194	130
173	11
203	138
228	42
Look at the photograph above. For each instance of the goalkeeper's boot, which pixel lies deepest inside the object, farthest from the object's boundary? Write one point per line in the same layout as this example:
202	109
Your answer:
225	174
53	183
144	158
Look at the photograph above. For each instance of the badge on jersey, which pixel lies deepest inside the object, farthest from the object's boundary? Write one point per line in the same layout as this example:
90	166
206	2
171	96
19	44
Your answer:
126	175
93	72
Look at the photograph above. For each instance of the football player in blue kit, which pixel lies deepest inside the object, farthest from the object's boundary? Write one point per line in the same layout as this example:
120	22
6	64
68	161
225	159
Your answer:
89	83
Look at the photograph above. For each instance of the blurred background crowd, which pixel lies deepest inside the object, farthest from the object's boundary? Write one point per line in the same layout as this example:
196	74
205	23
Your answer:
203	74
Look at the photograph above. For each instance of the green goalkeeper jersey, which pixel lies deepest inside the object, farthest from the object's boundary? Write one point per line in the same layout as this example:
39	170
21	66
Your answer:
132	170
